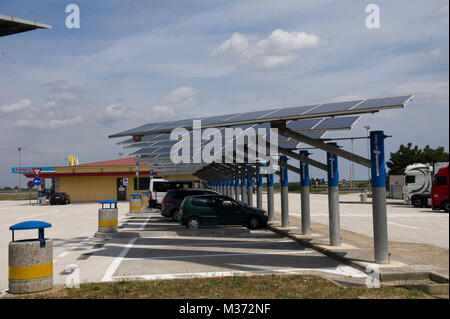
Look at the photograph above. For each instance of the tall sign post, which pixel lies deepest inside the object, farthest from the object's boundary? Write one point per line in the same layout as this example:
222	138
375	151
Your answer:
378	174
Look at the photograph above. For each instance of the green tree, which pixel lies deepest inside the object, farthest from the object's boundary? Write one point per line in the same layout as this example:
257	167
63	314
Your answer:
407	155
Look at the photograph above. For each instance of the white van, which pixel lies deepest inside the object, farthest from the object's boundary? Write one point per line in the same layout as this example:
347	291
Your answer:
160	186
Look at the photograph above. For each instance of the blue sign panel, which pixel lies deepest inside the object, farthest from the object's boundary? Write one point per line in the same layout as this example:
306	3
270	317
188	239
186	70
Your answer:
37	181
332	162
32	170
284	172
377	158
304	170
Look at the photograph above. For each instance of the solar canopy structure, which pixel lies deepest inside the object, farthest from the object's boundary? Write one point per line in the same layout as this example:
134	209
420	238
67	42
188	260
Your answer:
11	25
235	169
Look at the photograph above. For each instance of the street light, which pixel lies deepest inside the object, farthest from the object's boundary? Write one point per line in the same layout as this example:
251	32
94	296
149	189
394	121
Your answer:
367	127
20	166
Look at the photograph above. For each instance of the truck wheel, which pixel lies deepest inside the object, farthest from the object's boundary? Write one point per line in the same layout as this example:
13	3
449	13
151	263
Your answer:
445	206
417	202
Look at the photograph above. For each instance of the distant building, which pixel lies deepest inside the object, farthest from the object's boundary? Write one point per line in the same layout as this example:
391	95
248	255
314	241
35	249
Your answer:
103	180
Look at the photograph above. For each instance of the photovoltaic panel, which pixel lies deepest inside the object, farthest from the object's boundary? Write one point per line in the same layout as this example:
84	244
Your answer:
302	125
333	107
337	123
289	111
383	102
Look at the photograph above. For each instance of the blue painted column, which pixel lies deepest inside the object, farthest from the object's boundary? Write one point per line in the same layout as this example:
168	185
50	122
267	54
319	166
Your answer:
259	191
333	199
250	190
304	189
270	200
231	188
243	189
379	212
284	193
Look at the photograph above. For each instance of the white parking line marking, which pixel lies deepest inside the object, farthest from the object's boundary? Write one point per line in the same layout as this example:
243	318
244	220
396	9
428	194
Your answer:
27	217
401	225
113	267
223	244
339	270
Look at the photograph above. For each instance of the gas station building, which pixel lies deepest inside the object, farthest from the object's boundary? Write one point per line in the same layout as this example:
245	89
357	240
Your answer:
102	180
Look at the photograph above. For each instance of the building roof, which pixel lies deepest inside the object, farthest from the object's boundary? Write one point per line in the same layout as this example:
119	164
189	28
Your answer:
131	161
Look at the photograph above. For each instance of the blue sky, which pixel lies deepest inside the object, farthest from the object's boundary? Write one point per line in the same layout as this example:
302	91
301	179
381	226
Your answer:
63	91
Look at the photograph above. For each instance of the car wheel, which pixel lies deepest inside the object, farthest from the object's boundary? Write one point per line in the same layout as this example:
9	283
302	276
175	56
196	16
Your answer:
417	202
253	222
193	223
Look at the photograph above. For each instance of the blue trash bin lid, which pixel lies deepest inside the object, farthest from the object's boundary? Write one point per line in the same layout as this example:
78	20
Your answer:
32	224
136	195
108	201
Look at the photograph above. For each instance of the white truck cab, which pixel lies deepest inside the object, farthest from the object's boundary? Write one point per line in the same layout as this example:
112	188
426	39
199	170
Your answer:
417	189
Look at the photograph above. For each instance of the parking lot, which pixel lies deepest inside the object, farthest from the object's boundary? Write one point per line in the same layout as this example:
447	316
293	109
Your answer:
153	247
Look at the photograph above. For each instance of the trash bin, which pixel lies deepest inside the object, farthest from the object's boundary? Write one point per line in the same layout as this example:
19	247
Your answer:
108	217
363	196
144	200
30	261
135	203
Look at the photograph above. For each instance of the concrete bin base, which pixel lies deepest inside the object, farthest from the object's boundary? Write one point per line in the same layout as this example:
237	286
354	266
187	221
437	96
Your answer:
108	220
135	205
30	266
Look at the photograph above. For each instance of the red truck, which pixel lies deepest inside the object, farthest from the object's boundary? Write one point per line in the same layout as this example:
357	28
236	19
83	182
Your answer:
439	190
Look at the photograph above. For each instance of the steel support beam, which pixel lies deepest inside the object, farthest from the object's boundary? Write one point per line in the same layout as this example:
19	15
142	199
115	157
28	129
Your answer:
259	191
270	199
283	130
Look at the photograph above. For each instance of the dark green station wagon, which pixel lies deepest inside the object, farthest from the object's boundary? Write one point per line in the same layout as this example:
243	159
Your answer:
203	210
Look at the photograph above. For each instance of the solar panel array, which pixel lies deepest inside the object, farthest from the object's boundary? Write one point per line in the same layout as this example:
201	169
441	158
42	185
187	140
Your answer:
154	146
291	113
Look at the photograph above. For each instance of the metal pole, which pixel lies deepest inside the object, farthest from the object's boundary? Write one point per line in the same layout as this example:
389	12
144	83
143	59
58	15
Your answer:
250	190
352	175
20	166
270	202
284	193
367	127
380	231
232	188
243	188
236	188
259	191
304	187
333	199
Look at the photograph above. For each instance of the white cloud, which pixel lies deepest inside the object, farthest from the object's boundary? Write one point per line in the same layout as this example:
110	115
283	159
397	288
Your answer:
116	112
280	47
178	100
15	107
436	53
50	124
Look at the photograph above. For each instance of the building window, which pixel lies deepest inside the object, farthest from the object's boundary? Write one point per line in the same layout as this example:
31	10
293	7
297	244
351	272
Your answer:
144	184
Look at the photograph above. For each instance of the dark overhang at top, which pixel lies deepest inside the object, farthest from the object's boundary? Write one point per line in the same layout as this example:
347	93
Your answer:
11	25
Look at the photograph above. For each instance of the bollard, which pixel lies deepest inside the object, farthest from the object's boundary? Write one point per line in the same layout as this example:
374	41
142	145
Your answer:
144	200
108	217
135	203
30	261
363	196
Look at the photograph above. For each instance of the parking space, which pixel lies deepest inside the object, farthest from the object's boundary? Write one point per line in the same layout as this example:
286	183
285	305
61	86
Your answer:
150	246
